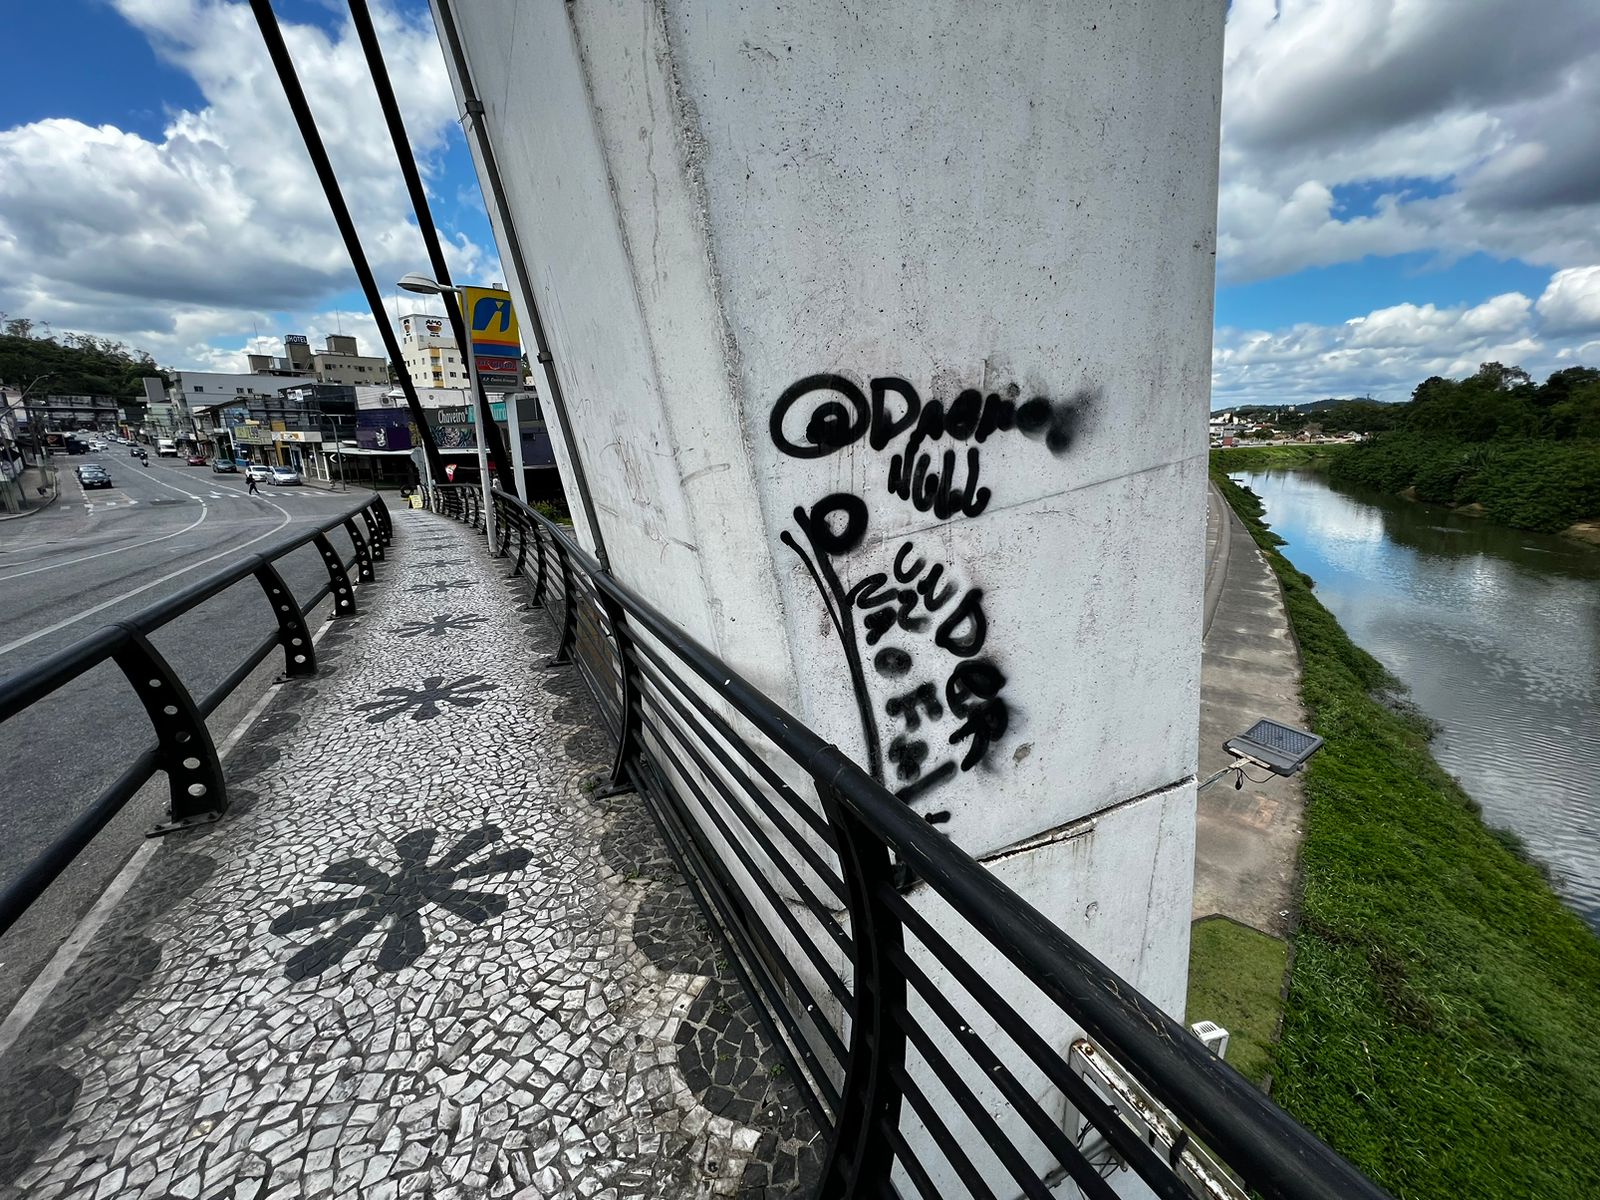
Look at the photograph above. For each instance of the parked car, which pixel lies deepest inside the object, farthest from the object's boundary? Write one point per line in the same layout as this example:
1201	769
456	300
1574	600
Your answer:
260	472
197	460
219	465
91	476
284	477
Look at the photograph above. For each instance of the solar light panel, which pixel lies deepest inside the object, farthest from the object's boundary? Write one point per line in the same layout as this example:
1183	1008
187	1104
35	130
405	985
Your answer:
1282	748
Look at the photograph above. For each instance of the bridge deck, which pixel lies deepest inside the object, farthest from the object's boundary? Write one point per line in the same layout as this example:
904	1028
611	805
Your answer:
418	956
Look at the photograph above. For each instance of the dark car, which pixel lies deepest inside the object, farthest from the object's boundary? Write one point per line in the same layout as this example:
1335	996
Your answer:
219	465
133	449
94	477
197	460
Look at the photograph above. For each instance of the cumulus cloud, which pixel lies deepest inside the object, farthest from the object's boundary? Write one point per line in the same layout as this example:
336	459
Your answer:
1387	352
183	243
1463	118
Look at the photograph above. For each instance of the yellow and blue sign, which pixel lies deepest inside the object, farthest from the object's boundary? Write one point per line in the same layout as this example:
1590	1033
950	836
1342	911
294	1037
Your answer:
496	340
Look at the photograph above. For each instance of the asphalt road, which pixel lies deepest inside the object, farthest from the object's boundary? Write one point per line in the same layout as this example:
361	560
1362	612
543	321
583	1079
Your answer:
92	558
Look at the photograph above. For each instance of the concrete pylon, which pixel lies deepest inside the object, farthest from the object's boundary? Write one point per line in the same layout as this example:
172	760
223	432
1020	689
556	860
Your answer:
885	332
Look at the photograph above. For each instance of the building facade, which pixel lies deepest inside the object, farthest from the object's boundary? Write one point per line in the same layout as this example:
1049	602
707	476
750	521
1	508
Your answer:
431	356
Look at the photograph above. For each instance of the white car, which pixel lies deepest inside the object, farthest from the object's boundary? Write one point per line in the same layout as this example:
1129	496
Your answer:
260	472
284	477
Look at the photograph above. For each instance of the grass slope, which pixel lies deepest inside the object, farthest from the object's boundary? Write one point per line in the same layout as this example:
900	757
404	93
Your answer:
1443	1022
1270	458
1235	979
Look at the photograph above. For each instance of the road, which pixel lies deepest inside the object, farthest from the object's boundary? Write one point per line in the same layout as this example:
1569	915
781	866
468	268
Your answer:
92	558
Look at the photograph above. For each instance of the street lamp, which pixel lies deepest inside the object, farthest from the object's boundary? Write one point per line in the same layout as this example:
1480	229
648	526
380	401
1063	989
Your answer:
421	284
38	434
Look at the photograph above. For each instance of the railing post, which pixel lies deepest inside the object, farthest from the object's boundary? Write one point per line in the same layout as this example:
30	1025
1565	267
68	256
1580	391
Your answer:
344	600
374	535
363	558
628	735
385	522
502	527
299	657
198	794
539	583
522	544
861	1157
569	611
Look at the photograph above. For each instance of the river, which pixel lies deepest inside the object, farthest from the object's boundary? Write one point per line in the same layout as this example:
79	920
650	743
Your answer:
1497	634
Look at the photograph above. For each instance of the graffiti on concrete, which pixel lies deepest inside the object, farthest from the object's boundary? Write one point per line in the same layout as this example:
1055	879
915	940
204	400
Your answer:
940	707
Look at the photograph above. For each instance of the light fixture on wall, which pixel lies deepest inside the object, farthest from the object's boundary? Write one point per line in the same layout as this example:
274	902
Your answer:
1272	745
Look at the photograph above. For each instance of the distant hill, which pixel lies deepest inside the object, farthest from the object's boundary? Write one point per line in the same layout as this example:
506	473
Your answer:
77	364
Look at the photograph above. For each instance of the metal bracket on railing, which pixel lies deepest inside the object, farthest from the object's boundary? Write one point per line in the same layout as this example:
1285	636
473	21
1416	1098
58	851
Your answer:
299	657
363	556
194	772
344	600
374	535
861	1157
628	735
1151	1120
384	522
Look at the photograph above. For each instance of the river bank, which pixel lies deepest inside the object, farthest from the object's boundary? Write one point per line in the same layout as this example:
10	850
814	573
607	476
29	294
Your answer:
1538	484
1439	1021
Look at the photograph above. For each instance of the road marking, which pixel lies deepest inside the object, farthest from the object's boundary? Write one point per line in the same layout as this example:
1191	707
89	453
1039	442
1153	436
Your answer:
145	587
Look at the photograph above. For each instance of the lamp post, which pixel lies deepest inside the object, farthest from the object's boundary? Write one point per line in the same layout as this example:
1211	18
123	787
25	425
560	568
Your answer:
38	434
423	286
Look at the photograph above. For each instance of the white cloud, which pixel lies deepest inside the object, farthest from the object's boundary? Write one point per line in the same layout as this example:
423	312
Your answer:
1387	352
1479	102
182	245
1571	302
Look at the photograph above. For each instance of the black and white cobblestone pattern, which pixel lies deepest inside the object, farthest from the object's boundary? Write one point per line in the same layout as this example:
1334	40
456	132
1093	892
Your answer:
418	958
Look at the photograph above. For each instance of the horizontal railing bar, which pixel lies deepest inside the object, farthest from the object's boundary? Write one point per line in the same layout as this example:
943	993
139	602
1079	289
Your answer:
793	837
994	1069
803	891
976	1114
688	854
31	684
946	1142
824	969
807	812
214	698
909	1162
1134	1150
43	870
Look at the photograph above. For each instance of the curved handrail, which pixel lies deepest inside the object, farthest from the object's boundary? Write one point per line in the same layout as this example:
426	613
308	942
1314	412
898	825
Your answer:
1271	1152
198	794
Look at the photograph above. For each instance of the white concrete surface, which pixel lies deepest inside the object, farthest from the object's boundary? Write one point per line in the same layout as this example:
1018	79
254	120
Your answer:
718	200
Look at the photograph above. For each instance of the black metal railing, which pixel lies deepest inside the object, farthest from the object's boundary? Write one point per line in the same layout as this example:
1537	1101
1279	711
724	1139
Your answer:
947	1038
183	747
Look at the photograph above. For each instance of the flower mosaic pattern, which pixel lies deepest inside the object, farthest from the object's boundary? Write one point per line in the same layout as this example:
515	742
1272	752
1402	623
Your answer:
425	702
399	898
439	625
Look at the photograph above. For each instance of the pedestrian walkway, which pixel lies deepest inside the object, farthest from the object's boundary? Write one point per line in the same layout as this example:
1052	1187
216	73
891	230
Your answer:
1247	842
418	957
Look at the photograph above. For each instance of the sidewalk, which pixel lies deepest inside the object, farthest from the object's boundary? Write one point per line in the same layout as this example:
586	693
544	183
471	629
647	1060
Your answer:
1247	842
28	485
417	958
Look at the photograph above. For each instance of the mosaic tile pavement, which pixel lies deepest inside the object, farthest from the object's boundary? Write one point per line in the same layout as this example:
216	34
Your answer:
418	958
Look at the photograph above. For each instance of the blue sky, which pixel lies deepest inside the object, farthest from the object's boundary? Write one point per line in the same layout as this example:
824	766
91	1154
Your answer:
1407	187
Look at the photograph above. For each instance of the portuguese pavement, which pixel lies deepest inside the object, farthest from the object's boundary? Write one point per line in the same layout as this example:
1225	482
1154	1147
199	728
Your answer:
418	957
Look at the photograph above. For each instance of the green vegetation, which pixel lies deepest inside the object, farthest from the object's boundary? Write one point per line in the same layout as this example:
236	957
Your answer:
1271	458
1440	1025
78	364
1236	979
1528	454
